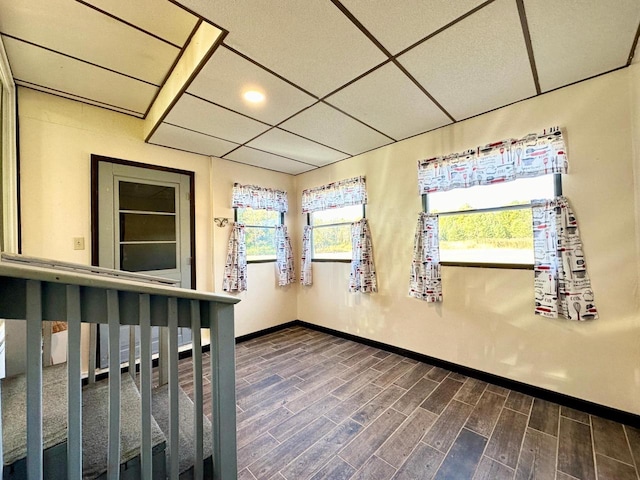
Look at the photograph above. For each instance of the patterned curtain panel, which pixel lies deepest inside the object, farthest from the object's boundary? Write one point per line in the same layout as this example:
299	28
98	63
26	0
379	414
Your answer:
363	270
305	268
503	161
344	193
562	285
235	269
251	196
284	256
426	281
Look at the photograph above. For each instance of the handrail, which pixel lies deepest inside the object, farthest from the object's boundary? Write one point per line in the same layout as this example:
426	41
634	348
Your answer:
75	267
53	275
43	292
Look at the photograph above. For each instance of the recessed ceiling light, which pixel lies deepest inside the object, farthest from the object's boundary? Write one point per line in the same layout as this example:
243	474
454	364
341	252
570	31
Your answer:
253	96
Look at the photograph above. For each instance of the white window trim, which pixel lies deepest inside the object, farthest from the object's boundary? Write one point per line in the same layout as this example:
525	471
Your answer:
9	155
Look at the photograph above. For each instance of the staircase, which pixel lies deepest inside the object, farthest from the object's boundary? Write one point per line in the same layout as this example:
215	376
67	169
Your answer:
53	428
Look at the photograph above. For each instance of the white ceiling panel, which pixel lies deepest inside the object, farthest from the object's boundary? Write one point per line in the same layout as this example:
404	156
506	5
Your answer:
42	67
327	125
77	98
176	137
312	43
227	76
577	39
289	145
387	100
479	64
69	27
201	116
257	158
397	25
160	17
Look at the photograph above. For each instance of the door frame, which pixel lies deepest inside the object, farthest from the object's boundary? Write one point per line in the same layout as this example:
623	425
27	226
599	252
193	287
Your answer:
95	220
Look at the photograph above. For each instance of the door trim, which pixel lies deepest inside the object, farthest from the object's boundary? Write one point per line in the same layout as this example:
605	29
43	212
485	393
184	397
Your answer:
95	221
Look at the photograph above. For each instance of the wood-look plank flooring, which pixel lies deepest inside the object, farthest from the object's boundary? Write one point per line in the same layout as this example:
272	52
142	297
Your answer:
314	406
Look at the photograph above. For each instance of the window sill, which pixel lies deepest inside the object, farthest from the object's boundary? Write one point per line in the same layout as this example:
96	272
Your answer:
334	260
271	260
506	266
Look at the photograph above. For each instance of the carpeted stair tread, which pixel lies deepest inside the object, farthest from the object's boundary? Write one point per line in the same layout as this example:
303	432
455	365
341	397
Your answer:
14	412
187	451
95	426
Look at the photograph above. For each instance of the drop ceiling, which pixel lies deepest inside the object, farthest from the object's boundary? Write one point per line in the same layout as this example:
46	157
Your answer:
340	77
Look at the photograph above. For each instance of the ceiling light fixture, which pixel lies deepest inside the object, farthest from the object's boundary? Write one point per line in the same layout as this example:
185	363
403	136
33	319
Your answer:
253	96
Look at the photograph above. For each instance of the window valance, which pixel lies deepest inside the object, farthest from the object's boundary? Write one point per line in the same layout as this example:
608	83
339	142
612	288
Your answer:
252	196
507	160
344	193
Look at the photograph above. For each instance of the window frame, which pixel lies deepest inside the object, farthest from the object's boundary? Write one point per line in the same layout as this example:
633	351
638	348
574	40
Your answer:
557	187
275	256
328	260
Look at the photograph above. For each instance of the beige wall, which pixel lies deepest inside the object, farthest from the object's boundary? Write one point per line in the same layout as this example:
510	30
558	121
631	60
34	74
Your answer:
57	138
486	320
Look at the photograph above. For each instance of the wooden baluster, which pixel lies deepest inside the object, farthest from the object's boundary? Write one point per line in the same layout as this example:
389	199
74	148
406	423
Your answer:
74	376
113	317
174	428
34	379
198	430
145	387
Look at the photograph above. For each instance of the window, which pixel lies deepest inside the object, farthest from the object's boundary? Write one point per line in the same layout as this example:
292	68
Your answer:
259	232
489	224
331	237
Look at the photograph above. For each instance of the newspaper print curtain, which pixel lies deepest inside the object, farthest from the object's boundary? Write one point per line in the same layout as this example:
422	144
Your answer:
344	193
284	256
562	284
363	270
533	155
252	196
305	268
426	281
235	269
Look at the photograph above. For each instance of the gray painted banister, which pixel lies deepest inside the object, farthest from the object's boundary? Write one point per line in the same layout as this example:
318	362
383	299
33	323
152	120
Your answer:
37	292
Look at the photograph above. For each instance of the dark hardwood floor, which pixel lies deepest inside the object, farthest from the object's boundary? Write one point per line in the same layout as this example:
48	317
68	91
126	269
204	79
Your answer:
311	405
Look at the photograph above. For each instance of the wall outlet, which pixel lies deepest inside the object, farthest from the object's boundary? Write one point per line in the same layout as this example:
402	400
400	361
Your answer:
78	243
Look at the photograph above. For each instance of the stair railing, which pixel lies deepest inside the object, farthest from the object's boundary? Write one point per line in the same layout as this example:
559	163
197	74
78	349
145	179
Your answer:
37	292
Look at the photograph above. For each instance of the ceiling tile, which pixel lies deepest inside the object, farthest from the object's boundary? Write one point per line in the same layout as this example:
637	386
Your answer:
69	27
77	98
577	39
387	100
257	158
327	125
201	116
227	76
397	25
160	17
311	43
289	145
479	64
42	67
182	139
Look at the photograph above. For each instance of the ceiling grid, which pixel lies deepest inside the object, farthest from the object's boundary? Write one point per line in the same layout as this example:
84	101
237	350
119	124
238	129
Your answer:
339	77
